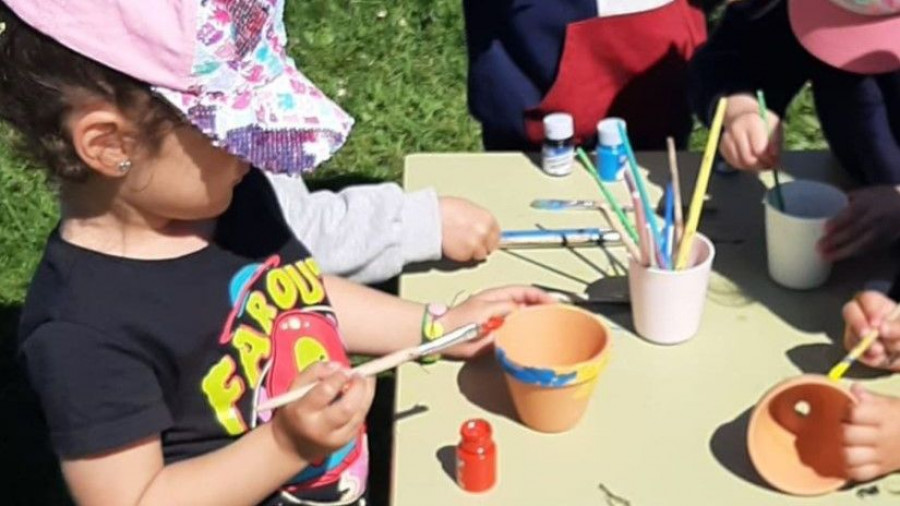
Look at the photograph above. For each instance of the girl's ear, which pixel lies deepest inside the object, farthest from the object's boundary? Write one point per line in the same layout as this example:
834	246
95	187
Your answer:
104	139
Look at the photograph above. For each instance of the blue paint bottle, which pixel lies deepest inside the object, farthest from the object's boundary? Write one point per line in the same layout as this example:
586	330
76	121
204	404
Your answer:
611	158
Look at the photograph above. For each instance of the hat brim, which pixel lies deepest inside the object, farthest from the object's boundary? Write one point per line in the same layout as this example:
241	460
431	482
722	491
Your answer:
846	40
286	125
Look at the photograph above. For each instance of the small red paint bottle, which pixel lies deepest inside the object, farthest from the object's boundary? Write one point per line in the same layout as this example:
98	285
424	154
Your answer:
476	457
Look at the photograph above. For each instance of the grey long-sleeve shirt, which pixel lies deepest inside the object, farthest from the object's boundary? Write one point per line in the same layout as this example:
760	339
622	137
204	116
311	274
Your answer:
366	233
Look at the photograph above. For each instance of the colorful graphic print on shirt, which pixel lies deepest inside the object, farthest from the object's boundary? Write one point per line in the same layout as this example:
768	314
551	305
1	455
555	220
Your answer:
279	325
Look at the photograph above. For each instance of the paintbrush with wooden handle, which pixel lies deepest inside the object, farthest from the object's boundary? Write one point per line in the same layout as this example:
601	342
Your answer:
387	362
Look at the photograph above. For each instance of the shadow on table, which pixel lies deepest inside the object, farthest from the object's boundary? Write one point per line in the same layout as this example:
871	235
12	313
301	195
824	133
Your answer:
439	266
482	383
742	273
416	410
521	255
616	268
819	358
729	446
607	295
619	314
446	455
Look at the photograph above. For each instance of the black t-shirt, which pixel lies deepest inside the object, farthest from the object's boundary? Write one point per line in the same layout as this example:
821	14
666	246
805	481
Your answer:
119	350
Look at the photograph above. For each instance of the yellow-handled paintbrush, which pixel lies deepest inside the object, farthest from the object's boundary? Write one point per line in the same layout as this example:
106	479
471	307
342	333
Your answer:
709	155
837	372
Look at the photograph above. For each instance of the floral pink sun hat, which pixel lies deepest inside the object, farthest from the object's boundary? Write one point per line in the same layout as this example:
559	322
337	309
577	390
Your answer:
860	36
222	63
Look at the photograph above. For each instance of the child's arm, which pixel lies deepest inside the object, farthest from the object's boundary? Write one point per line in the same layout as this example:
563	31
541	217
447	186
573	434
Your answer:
375	323
243	472
752	49
367	233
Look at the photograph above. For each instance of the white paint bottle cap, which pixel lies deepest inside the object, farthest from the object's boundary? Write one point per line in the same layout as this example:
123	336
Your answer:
608	131
559	126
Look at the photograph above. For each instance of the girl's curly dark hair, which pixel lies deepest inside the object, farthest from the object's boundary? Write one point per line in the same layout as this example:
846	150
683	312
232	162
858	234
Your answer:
40	81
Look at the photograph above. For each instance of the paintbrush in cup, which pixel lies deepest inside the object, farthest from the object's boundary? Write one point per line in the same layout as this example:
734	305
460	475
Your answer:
588	166
709	156
764	113
640	222
676	183
837	372
461	335
649	215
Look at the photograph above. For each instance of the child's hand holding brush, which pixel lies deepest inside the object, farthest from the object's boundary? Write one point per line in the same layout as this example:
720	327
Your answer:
869	311
871	429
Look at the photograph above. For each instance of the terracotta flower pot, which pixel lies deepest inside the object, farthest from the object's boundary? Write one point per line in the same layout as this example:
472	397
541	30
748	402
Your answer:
795	433
551	356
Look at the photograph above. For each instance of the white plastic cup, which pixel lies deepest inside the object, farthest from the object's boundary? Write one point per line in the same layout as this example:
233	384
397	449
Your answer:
667	306
792	234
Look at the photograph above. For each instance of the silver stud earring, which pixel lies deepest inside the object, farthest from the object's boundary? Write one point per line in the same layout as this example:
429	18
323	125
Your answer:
124	166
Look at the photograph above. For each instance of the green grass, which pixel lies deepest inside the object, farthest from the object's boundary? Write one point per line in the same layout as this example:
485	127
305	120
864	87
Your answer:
398	67
27	213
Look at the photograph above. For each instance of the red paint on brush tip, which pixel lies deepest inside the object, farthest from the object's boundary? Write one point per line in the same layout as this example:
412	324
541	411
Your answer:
492	324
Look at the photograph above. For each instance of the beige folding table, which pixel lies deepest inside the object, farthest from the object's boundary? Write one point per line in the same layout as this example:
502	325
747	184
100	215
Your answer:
666	425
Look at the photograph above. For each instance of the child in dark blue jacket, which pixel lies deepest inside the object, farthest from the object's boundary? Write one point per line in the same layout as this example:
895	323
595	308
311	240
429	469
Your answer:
850	51
590	58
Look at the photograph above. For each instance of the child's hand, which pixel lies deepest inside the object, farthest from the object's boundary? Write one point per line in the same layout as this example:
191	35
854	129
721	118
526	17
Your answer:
468	231
871	219
871	436
746	144
868	311
329	416
484	305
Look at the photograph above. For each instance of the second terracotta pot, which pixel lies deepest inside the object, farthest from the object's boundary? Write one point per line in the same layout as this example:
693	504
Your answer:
795	435
551	356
